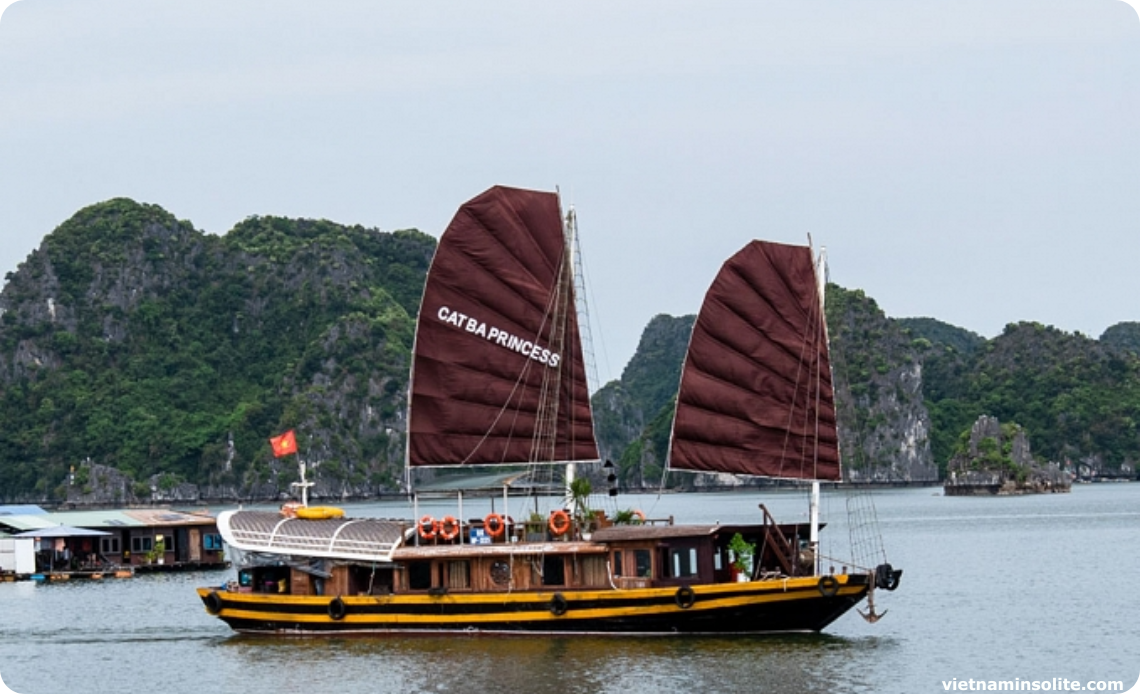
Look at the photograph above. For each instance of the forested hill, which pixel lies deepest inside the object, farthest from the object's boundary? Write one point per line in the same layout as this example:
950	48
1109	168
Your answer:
155	360
909	390
132	340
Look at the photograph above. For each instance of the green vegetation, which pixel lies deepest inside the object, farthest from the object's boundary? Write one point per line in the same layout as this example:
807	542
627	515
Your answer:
165	351
133	340
1075	397
742	552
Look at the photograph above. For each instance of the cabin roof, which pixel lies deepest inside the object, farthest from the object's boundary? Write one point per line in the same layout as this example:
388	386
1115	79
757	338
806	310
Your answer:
353	539
633	533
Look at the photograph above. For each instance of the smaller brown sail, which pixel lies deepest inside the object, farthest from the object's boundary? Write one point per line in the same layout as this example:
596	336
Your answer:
756	396
498	375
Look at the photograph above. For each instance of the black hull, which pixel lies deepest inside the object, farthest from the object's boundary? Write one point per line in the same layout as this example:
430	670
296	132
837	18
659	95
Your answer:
748	608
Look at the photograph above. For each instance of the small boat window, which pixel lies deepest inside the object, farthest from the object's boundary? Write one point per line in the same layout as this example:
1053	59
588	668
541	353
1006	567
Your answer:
553	570
617	564
419	575
684	562
643	563
501	573
458	574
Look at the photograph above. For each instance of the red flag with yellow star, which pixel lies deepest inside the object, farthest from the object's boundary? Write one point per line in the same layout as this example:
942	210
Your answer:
284	444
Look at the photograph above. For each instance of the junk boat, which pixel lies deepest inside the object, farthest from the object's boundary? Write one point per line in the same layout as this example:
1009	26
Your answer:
499	379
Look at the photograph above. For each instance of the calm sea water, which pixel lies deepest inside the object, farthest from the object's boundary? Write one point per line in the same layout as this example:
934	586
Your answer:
1032	587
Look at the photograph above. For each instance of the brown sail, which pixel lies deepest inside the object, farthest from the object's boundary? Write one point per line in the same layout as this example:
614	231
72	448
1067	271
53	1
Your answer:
756	395
498	375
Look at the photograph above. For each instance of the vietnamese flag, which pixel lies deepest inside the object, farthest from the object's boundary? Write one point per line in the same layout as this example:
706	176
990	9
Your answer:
284	444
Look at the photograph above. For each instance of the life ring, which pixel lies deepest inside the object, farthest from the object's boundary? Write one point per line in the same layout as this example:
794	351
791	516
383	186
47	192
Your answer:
685	597
428	528
213	602
640	515
559	522
494	524
337	609
558	605
448	528
828	586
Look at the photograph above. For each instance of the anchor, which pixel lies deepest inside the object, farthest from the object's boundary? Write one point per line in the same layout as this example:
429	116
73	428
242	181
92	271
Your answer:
870	614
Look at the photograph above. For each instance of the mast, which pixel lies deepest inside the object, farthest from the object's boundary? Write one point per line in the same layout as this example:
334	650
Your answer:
570	232
813	507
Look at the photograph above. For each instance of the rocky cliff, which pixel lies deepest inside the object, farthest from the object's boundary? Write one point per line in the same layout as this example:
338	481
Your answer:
995	460
136	344
884	427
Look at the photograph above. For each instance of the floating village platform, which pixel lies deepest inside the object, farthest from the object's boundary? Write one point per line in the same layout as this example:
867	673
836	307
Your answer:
95	545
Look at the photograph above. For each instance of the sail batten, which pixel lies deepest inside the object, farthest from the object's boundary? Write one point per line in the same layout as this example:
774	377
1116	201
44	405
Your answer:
498	375
756	395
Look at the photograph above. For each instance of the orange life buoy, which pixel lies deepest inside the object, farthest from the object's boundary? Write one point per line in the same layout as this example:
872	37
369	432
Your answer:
640	515
559	522
494	524
428	527
448	528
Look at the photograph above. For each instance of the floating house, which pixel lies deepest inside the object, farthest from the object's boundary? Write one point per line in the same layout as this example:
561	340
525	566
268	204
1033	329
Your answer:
75	544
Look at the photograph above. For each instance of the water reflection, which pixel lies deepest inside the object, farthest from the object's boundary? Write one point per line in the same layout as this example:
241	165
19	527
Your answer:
778	664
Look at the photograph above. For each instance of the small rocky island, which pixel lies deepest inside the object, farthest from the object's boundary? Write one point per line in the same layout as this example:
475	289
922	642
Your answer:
996	462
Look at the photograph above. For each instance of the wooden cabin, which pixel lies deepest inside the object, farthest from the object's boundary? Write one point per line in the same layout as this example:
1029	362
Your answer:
132	539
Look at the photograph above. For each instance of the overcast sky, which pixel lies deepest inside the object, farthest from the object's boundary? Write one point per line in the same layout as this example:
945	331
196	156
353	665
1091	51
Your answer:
973	161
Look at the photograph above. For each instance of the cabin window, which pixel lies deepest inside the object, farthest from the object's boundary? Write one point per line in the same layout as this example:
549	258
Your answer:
718	560
142	544
643	563
684	562
109	545
212	541
419	575
458	574
617	563
594	571
501	573
553	570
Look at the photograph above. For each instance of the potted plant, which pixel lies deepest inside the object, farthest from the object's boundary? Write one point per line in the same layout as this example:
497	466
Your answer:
580	490
742	553
157	552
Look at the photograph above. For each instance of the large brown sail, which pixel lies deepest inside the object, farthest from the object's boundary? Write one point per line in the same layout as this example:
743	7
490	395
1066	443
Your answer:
756	395
498	375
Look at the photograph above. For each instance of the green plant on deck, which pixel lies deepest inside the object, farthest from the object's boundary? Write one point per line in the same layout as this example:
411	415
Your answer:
580	490
742	552
627	516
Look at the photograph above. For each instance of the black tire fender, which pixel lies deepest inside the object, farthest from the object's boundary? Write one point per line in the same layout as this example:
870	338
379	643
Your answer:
337	609
213	602
558	605
685	597
828	586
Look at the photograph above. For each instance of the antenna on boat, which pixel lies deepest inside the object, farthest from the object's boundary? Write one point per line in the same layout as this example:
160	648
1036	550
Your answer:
303	484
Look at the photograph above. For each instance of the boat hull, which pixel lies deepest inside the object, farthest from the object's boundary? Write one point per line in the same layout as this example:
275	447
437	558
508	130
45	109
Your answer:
757	607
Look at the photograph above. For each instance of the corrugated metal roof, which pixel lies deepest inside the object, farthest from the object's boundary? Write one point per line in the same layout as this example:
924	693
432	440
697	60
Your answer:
355	539
94	519
31	522
164	516
20	510
61	531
